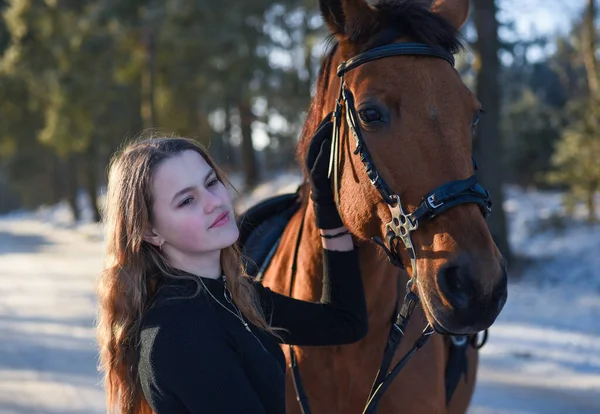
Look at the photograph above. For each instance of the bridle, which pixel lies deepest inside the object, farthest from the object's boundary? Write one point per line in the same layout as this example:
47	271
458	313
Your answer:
401	226
434	203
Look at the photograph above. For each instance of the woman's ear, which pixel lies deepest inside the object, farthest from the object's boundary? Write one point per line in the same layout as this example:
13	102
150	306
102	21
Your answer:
152	237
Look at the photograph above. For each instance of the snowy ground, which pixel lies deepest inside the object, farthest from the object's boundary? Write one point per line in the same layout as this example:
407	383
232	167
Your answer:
47	305
544	351
543	355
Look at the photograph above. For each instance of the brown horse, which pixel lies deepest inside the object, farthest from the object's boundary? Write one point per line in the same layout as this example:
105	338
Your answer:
417	119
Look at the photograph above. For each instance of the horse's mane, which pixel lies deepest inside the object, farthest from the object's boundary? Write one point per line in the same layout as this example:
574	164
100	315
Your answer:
407	18
318	102
395	19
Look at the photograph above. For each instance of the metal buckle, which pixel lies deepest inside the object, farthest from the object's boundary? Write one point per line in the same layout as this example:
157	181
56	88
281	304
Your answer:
431	202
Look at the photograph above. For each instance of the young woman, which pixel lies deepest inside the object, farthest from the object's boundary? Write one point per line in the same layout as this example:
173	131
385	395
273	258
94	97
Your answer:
181	328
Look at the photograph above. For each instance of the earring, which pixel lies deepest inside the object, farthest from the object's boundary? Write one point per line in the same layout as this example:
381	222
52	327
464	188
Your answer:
160	246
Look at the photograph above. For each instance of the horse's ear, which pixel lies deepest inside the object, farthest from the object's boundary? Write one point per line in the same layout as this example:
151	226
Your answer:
350	20
360	18
333	14
455	11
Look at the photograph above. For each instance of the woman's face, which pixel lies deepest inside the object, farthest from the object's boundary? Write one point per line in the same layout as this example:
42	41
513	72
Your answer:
188	202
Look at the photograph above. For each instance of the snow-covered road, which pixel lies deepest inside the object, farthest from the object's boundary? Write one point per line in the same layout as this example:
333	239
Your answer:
47	305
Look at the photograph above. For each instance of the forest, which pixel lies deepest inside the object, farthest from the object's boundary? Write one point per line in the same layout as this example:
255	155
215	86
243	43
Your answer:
79	78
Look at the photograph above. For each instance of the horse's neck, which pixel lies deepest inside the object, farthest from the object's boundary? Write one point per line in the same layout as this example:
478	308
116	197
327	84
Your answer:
380	278
384	284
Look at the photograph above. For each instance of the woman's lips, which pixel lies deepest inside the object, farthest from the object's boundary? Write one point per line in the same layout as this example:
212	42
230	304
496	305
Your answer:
222	219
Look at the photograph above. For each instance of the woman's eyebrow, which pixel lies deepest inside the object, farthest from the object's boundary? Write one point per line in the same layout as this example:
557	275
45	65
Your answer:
190	188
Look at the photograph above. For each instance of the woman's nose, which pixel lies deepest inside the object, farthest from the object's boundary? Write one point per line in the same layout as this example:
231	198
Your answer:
212	202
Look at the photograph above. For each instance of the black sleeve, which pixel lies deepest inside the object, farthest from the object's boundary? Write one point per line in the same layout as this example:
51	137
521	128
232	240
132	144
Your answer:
193	363
339	318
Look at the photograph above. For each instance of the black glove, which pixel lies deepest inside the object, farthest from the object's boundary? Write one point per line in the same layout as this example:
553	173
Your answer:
317	164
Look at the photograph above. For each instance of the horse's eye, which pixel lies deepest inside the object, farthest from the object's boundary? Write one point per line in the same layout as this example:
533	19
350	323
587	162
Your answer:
370	115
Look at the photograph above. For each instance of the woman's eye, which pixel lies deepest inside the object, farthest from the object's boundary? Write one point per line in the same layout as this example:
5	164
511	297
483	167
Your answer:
213	182
186	202
370	115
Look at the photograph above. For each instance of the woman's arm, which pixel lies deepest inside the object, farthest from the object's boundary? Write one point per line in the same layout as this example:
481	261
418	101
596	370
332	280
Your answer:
340	317
341	244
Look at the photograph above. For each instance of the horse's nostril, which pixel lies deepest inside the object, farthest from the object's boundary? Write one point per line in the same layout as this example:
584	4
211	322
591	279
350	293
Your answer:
453	281
471	298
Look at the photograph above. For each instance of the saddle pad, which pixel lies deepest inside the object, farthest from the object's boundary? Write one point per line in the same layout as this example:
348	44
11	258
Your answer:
261	226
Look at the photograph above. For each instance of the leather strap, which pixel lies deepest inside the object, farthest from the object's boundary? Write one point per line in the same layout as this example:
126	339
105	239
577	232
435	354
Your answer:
395	49
296	378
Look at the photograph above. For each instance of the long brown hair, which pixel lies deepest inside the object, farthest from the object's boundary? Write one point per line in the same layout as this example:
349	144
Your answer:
132	267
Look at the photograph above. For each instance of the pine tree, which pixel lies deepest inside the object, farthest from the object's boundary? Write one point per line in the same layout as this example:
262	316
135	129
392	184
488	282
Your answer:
577	154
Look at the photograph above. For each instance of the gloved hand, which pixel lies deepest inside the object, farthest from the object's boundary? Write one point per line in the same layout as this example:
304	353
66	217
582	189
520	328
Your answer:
317	164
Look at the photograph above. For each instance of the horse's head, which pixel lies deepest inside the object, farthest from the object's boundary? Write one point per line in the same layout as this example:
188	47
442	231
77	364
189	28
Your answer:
416	118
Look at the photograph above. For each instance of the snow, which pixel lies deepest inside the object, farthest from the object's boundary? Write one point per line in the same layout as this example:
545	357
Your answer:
47	310
543	355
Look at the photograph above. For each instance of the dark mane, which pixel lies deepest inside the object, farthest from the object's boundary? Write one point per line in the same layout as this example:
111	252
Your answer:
313	117
395	19
412	19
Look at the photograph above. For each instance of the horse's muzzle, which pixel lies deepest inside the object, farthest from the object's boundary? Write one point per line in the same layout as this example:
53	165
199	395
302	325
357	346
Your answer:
469	302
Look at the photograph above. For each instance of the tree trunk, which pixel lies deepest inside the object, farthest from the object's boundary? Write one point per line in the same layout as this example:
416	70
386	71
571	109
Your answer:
58	182
228	149
591	69
250	165
92	179
591	203
8	198
487	148
148	109
217	148
71	180
589	48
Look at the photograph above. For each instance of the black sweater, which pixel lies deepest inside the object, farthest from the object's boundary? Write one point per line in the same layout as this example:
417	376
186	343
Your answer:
195	357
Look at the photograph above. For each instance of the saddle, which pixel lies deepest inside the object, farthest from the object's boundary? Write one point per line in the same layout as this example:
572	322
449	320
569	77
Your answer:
261	228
